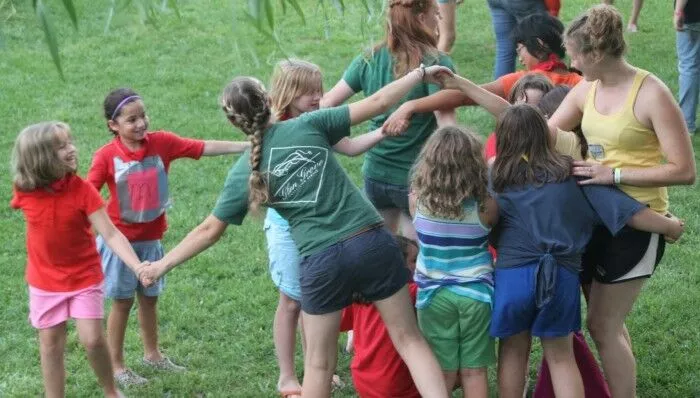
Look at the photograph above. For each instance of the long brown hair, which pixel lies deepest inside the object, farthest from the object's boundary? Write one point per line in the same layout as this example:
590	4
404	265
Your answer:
524	154
246	105
35	162
291	79
449	170
529	81
407	39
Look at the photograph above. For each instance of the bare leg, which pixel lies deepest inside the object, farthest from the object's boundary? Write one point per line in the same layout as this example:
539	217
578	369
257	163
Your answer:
148	322
566	378
636	9
391	219
407	228
450	379
607	309
513	355
446	26
399	317
91	335
116	329
475	382
284	334
321	353
52	344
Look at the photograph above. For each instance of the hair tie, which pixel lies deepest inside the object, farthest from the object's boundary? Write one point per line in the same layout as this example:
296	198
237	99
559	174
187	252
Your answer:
124	101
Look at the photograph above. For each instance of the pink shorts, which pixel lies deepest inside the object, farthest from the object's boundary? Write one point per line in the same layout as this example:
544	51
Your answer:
47	309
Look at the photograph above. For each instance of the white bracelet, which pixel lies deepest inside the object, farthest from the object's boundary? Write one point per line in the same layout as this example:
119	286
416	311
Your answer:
617	175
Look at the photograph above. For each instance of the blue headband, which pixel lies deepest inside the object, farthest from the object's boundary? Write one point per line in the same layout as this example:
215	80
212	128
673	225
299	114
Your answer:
124	101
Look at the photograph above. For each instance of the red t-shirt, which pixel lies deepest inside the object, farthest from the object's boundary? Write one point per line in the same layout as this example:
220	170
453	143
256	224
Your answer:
553	7
61	251
137	181
377	369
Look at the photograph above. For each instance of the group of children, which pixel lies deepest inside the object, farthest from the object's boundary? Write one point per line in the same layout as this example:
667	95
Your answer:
424	310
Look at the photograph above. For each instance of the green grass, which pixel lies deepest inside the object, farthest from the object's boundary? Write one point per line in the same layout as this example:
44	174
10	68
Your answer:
216	314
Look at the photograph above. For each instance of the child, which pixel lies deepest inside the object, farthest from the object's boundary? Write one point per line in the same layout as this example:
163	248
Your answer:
453	215
297	87
63	267
377	369
134	165
344	248
546	221
529	89
410	40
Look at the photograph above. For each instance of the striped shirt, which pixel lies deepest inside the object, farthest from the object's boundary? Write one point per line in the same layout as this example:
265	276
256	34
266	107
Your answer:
453	254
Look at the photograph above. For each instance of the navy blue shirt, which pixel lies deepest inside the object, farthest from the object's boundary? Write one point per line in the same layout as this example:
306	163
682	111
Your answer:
556	220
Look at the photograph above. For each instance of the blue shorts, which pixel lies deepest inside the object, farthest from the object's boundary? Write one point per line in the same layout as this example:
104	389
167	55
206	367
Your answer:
515	311
120	281
387	196
284	259
369	263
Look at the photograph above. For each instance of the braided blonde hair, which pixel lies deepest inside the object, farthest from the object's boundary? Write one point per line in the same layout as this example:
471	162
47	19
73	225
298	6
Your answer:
247	106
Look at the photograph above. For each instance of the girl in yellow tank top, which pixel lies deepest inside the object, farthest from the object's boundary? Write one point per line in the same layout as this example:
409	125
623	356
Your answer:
620	140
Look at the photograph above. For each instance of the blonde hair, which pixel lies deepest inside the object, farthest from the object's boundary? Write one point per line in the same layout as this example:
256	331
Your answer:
407	39
247	106
599	31
449	170
35	162
291	79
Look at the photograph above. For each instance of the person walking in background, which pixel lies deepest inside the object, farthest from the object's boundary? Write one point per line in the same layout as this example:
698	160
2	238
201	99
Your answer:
686	20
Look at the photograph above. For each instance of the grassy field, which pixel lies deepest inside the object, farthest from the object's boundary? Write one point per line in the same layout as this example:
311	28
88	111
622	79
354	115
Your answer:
216	314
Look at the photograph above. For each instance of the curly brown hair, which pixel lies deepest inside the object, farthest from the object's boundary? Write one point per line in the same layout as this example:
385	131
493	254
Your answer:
449	170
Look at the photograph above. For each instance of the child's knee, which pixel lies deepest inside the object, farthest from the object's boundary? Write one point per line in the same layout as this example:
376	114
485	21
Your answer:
122	305
93	341
289	305
472	372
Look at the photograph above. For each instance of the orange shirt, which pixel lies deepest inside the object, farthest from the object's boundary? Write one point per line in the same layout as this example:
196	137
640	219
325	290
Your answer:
143	186
553	7
61	251
566	79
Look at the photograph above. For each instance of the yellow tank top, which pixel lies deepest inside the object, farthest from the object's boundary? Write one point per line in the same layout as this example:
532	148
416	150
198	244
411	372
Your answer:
620	140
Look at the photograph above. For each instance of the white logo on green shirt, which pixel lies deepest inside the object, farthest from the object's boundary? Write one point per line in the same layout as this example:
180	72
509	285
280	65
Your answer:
297	178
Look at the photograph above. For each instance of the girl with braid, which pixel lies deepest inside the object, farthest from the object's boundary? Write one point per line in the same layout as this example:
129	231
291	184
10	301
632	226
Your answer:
344	247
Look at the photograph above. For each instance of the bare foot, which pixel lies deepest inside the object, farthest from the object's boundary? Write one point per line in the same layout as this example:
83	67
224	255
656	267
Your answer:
289	388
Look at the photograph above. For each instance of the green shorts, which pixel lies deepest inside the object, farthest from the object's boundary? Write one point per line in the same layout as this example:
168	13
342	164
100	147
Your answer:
457	329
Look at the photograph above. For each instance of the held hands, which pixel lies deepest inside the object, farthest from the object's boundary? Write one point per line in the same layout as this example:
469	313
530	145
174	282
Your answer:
594	172
437	74
675	230
150	274
398	121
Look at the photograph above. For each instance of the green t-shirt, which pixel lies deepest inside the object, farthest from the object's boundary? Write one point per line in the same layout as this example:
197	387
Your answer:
307	185
390	161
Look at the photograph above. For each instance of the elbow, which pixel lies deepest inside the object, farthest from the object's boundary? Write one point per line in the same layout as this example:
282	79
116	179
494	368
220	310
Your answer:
210	232
689	176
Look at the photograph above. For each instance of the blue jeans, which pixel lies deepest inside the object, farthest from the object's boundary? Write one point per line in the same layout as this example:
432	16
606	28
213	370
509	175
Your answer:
505	15
688	50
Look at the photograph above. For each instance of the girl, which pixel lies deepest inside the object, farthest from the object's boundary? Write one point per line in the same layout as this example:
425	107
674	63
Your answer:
453	215
344	247
134	165
540	49
637	136
297	87
63	267
377	368
411	39
545	223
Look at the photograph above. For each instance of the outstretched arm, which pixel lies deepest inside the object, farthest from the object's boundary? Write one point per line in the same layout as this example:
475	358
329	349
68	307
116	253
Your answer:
115	239
199	239
358	145
337	95
215	148
482	97
382	100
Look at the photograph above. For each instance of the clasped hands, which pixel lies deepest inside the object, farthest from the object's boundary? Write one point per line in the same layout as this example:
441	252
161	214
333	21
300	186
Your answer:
149	272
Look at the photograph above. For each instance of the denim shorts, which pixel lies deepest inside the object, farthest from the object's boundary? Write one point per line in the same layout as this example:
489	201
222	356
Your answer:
369	263
387	196
284	259
120	281
515	310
